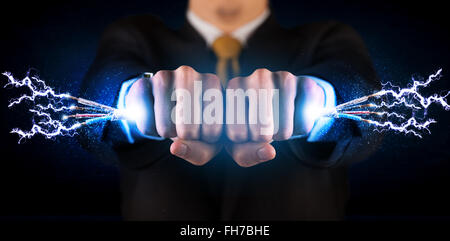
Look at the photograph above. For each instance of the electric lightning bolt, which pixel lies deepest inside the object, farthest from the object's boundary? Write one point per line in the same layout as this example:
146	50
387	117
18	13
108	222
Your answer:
377	109
408	98
44	121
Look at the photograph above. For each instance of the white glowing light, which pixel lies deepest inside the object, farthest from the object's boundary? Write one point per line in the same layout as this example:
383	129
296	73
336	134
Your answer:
135	113
312	112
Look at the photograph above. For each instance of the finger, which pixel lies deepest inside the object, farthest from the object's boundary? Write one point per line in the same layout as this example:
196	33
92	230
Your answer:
139	106
251	153
286	83
309	102
260	108
188	103
162	85
212	120
236	117
196	152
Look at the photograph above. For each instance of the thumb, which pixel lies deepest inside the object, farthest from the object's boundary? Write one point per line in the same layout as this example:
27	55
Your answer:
252	153
196	152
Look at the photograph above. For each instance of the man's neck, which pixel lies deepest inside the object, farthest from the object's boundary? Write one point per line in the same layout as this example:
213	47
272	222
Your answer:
229	21
209	32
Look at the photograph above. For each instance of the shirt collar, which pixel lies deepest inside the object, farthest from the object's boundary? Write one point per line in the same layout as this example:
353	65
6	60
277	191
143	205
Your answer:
210	32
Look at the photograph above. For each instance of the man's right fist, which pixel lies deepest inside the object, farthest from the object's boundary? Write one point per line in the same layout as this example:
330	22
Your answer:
175	109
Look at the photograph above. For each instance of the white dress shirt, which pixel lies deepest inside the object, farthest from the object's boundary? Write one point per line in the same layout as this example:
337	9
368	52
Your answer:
210	32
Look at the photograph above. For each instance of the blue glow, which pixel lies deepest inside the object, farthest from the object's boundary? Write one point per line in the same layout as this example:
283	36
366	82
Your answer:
132	113
322	124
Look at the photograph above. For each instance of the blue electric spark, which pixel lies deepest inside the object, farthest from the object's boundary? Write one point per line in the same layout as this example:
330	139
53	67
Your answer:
408	98
47	119
375	109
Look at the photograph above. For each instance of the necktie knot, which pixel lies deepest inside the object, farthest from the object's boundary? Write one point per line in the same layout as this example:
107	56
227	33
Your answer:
227	50
226	47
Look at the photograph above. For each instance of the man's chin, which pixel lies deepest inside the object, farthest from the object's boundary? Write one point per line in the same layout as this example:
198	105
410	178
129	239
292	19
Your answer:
228	15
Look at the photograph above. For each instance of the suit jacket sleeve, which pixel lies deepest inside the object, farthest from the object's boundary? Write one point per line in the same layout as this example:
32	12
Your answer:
340	57
122	54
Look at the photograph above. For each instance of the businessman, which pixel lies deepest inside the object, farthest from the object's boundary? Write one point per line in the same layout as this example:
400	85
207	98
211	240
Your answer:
289	166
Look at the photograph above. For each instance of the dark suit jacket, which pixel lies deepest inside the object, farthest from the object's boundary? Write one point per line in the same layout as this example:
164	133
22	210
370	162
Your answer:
305	180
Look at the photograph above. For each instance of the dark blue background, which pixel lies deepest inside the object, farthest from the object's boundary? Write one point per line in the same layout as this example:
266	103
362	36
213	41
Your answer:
408	177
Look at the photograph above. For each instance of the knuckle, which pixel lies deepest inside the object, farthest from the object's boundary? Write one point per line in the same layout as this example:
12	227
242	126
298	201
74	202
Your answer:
185	75
309	84
162	78
285	75
313	90
262	74
138	87
185	69
287	79
261	71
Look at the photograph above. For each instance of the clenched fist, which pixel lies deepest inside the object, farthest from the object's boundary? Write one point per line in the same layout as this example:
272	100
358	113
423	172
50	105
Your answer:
188	107
275	112
174	109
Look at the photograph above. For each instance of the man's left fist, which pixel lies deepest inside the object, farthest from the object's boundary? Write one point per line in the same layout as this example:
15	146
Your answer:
274	110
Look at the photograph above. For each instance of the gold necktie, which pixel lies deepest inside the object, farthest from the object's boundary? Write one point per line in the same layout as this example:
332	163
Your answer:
227	50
